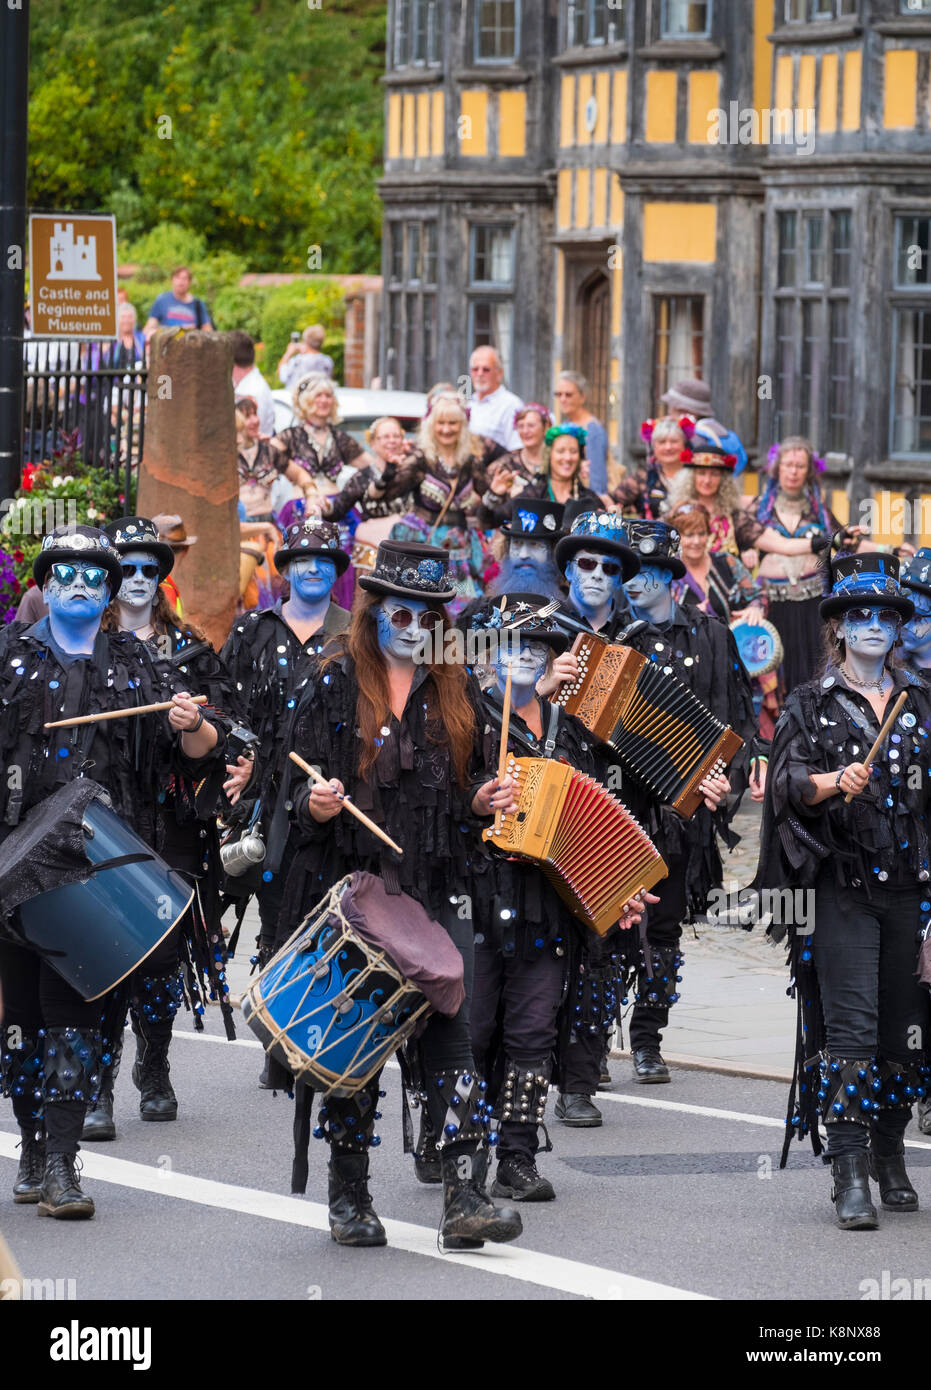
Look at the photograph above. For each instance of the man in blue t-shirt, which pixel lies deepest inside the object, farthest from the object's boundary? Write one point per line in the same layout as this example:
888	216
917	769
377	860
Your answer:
177	307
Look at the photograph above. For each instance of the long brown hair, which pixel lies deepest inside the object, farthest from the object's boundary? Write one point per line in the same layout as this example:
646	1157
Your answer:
451	718
164	619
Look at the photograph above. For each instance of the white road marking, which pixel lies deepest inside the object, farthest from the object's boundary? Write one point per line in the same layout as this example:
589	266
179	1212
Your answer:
511	1262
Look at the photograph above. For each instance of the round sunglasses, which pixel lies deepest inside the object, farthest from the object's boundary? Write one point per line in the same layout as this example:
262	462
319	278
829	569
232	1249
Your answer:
94	577
588	566
865	615
130	571
402	618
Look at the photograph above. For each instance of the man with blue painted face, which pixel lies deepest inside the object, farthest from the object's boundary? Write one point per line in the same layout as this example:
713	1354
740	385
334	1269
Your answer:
856	837
62	667
268	654
527	561
596	560
916	633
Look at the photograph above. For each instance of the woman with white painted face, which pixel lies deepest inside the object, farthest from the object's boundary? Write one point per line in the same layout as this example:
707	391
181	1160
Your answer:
187	837
863	866
401	735
64	666
528	943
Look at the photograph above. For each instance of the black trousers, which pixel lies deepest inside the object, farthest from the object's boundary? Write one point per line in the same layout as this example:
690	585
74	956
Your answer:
865	954
664	932
525	996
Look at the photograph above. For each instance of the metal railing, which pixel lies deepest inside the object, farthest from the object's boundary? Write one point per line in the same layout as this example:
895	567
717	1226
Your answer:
88	395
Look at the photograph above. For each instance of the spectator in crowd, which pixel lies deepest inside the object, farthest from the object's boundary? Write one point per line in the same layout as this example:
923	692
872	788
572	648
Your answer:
509	475
249	381
177	307
571	394
492	404
129	344
716	581
644	491
304	355
260	465
708	477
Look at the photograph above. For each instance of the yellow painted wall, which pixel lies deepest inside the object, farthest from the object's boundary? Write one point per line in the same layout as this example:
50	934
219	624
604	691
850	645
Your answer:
891	510
840	505
600	198
560	290
853	66
474	107
582	200
901	85
564	199
661	107
762	54
679	232
619	108
512	121
584	88
805	99
617	203
407	125
567	109
785	82
603	98
423	124
437	132
394	125
704	97
751	482
827	107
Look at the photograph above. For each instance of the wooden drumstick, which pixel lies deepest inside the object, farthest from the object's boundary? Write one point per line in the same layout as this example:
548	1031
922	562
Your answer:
503	750
119	713
359	815
882	735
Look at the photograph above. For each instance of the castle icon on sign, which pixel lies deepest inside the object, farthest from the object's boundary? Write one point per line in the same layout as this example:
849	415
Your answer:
70	258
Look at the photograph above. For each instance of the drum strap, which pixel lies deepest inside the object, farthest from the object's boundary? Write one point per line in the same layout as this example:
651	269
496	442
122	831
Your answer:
118	861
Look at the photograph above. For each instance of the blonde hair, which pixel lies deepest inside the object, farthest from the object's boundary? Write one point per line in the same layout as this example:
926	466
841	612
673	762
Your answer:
682	489
426	437
308	389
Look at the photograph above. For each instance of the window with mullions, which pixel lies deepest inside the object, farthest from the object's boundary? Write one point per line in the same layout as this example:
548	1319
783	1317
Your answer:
915	6
678	342
594	21
411	328
685	19
812	326
912	248
911	338
497	30
491	288
416	33
800	11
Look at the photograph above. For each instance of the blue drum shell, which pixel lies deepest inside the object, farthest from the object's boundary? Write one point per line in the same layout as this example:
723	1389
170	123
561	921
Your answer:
96	932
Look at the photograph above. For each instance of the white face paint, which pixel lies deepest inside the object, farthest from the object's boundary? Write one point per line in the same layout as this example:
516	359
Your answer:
138	590
526	662
403	643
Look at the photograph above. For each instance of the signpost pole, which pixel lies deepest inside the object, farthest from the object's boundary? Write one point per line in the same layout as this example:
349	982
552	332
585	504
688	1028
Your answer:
14	112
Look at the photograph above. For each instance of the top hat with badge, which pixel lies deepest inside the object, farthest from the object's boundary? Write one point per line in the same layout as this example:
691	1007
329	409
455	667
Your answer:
312	536
867	580
655	543
141	533
915	574
596	530
534	519
85	544
410	569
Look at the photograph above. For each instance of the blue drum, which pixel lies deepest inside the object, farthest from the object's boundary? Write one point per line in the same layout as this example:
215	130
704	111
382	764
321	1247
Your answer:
332	1007
121	902
759	644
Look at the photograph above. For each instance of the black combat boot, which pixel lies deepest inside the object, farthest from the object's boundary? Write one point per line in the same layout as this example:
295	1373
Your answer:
895	1190
28	1184
150	1076
851	1194
98	1122
61	1193
352	1216
517	1177
469	1216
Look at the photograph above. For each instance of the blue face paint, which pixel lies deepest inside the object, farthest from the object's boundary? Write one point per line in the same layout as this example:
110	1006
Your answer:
312	578
649	591
400	644
75	608
591	590
526	665
873	636
916	634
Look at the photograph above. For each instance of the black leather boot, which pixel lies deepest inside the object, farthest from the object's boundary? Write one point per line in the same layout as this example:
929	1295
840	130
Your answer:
150	1076
98	1122
469	1216
517	1177
426	1154
895	1190
352	1216
649	1067
61	1194
851	1195
578	1111
28	1184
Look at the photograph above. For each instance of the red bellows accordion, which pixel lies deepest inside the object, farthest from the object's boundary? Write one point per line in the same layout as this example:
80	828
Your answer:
589	845
662	733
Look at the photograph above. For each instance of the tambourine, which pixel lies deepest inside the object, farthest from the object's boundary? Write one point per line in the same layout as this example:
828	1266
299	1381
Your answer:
759	644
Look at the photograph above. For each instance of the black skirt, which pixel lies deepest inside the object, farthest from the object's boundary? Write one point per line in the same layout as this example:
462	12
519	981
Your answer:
802	631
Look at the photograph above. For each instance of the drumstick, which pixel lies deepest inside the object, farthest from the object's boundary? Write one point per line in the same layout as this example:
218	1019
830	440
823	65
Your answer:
881	736
503	751
119	713
360	815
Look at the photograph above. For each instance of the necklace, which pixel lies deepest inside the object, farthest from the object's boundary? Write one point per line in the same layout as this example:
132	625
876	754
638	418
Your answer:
879	686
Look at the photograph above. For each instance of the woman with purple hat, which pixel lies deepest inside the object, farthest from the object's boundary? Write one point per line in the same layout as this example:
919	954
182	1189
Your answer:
851	837
396	728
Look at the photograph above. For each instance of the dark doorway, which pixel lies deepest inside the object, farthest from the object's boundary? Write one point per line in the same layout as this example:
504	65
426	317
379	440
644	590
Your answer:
593	342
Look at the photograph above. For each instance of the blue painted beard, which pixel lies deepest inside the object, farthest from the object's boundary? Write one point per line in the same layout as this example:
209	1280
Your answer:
518	575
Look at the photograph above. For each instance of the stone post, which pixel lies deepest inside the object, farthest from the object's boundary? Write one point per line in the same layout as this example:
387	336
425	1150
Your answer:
189	468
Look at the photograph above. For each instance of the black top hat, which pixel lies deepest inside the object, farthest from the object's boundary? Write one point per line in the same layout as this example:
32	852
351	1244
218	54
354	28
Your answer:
312	536
500	614
916	573
83	543
534	519
655	543
866	581
410	570
139	533
600	531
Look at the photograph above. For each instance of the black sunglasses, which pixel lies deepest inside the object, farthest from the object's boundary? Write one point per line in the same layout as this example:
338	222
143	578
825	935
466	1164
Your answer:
94	577
588	565
403	617
130	571
865	615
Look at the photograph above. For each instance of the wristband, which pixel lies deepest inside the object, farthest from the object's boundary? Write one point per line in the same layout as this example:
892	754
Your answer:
761	759
200	720
839	778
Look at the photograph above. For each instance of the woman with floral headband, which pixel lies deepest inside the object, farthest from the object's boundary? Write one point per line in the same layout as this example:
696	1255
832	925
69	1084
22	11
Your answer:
509	475
560	479
645	490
